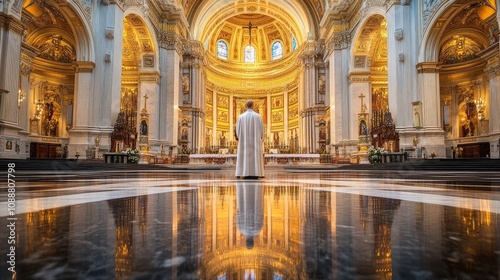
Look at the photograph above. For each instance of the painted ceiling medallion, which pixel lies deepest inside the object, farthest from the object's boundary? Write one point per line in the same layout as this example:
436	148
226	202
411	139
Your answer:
459	49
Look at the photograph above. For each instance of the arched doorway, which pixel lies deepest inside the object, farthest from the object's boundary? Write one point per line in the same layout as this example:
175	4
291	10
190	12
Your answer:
463	48
251	49
369	78
47	73
138	82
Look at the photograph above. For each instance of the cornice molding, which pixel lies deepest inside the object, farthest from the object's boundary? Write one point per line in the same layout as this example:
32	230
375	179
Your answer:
194	49
493	68
11	23
153	77
428	67
171	41
84	66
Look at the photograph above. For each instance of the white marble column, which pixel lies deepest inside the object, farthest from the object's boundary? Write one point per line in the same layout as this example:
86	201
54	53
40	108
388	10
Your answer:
339	106
269	118
308	90
231	116
10	50
359	83
428	81
107	73
98	84
194	94
148	84
494	104
80	137
214	119
170	58
494	95
401	68
431	135
285	119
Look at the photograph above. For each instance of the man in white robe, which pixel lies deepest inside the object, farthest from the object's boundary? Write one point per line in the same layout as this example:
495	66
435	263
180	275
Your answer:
250	135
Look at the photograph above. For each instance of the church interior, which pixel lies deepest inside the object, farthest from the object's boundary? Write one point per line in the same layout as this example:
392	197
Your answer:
169	78
118	119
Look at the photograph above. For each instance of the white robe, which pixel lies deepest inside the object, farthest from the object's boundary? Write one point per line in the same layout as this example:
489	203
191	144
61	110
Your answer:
250	133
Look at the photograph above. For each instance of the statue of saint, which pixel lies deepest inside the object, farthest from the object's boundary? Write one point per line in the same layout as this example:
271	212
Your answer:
144	127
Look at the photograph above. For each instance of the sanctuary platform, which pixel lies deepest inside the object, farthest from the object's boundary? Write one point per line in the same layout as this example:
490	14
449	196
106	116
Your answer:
269	159
431	219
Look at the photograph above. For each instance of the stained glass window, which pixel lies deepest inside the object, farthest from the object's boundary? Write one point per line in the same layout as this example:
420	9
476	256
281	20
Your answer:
277	50
294	43
249	54
222	49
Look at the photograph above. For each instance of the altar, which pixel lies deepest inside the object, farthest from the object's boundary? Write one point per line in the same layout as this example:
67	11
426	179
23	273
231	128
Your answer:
270	159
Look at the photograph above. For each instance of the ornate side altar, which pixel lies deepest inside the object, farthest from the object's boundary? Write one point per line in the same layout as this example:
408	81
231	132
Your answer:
384	133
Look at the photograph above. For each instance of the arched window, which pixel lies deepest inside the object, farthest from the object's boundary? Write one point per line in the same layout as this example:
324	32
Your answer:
294	43
222	49
249	54
277	50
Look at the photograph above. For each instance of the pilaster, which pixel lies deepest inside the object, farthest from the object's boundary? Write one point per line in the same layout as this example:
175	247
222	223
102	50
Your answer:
493	69
430	136
192	91
169	95
10	83
428	81
107	73
359	83
80	134
338	85
400	65
148	84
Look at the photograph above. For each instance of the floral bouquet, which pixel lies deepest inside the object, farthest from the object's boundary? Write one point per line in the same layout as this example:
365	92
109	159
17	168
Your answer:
375	154
133	155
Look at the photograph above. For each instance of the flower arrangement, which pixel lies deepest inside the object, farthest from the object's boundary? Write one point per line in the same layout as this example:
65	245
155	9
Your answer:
132	154
433	154
375	154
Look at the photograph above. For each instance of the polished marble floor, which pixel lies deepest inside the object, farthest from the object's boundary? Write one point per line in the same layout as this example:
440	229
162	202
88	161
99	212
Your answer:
290	225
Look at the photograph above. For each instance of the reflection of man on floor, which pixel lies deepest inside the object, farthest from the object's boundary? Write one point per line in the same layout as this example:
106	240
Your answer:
250	201
250	135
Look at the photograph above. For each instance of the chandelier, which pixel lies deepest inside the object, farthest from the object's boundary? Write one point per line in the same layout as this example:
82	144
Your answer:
21	95
480	106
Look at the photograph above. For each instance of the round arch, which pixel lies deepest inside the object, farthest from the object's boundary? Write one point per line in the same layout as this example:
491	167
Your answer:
373	12
208	15
150	29
431	39
73	14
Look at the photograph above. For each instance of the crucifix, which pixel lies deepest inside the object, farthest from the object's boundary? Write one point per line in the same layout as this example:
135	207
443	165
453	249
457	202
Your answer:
250	31
363	107
145	102
145	99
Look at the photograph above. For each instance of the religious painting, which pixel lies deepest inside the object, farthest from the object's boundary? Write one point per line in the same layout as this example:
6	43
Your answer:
277	102
222	116
277	116
146	46
208	112
222	101
239	107
8	145
293	98
293	113
208	97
